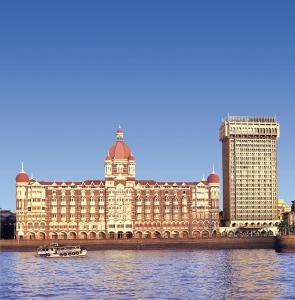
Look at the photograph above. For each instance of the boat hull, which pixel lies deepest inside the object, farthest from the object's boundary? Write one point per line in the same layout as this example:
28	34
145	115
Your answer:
62	255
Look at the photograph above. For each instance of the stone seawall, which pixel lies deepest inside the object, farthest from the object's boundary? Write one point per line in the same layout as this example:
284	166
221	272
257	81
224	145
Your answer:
145	244
285	243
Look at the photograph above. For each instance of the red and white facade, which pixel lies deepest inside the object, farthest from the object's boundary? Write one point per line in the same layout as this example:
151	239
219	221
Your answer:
118	207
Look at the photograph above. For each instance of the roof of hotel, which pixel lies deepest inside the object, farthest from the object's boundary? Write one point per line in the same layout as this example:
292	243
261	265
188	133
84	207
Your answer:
99	182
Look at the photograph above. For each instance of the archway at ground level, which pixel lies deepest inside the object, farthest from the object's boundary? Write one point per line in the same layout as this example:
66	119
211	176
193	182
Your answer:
231	234
184	234
92	235
111	235
167	234
175	234
196	234
240	233
214	233
205	234
157	235
72	236
138	235
270	233
32	236
53	236
120	235
41	236
102	235
129	235
83	235
63	236
147	235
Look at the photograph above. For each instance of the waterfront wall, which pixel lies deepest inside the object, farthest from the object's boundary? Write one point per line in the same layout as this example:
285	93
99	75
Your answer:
142	244
285	243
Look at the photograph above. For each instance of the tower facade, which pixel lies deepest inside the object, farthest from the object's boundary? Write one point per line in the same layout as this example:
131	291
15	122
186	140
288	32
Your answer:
117	207
250	181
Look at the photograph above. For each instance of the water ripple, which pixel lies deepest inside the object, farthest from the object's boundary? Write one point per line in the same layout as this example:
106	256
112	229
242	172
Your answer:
155	274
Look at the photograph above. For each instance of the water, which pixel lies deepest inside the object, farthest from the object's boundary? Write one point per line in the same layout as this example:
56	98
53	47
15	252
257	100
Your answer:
155	274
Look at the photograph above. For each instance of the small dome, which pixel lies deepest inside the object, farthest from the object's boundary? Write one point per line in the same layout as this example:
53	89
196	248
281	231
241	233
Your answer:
22	177
213	178
131	157
119	130
108	157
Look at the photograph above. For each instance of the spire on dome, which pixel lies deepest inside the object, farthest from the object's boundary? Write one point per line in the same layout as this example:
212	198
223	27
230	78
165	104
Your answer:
213	178
120	133
108	157
203	179
22	177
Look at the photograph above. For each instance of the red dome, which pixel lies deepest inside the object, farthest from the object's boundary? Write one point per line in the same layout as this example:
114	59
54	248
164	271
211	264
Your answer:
22	177
119	150
213	178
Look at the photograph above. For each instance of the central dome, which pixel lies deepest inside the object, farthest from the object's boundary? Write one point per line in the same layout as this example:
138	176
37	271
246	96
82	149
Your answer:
120	150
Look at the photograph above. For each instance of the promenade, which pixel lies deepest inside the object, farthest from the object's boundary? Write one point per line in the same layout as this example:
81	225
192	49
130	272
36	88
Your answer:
148	244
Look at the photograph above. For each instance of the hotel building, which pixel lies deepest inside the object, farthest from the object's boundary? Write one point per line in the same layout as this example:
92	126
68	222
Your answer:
250	181
117	207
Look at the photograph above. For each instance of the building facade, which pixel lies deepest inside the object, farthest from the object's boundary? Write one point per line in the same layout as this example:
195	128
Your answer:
117	207
288	224
249	157
283	207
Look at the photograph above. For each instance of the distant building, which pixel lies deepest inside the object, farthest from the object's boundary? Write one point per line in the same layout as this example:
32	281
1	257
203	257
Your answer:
283	207
117	207
249	155
289	222
7	220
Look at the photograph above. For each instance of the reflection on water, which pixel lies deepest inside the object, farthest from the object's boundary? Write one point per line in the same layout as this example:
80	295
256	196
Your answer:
163	274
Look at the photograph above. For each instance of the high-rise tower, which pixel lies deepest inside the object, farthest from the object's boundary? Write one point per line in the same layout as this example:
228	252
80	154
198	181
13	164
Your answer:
249	155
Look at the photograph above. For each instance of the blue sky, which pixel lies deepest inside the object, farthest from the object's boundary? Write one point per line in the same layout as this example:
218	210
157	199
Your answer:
167	71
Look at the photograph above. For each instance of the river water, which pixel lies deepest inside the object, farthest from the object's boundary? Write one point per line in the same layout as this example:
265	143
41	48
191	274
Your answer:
150	274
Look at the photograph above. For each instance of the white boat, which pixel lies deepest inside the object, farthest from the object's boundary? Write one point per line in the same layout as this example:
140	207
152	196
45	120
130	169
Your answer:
55	250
